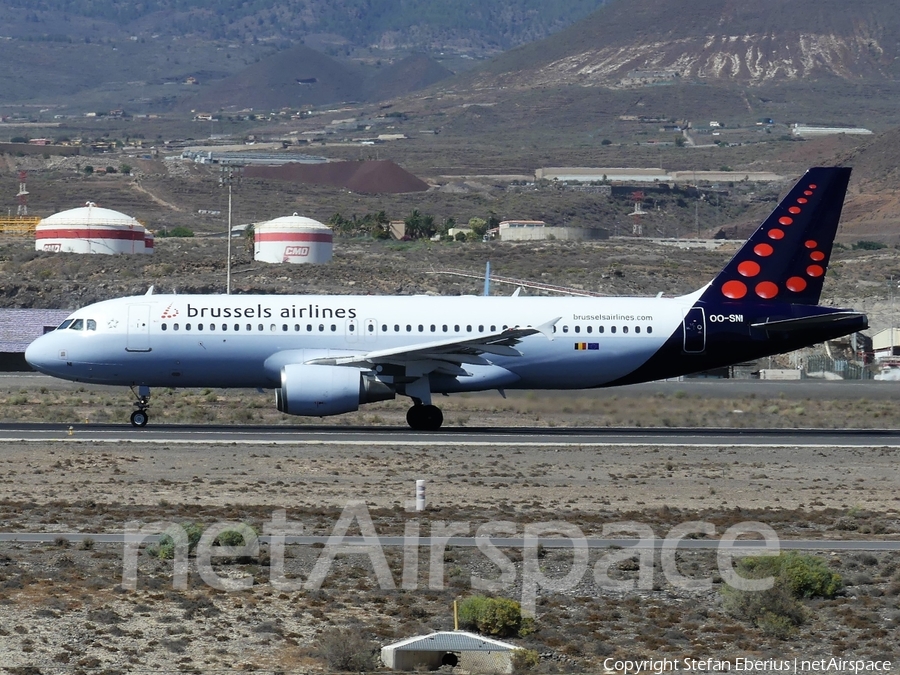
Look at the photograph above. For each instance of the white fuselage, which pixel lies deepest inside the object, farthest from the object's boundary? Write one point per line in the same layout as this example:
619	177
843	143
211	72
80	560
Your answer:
237	340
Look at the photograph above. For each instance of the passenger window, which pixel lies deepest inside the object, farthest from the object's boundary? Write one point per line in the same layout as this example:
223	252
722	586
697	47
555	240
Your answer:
408	328
284	327
624	329
493	329
237	327
480	328
224	326
199	326
600	329
333	328
187	326
396	328
384	328
212	326
432	328
260	328
565	329
321	327
421	328
272	327
164	327
637	329
649	330
612	329
370	327
91	324
444	328
174	326
455	329
577	329
468	329
351	327
589	329
309	328
296	327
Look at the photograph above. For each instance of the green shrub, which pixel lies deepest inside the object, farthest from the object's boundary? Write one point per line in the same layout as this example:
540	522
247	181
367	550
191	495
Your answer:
806	576
346	651
176	232
493	616
777	611
166	548
863	245
524	660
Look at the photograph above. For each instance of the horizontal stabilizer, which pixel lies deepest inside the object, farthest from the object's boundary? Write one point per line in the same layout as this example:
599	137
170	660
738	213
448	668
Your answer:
809	322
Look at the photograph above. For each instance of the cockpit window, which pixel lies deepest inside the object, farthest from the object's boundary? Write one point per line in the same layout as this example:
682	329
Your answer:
91	324
78	324
64	324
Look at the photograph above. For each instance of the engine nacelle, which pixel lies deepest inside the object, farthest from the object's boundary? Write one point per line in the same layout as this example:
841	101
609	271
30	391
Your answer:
318	391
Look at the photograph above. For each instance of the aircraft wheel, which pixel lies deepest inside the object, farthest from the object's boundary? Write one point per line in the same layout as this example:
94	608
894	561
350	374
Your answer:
425	417
139	418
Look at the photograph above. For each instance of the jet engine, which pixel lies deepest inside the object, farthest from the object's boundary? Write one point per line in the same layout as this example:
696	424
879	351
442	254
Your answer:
318	391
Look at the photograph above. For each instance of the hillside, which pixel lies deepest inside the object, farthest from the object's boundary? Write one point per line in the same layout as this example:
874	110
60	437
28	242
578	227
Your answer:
630	43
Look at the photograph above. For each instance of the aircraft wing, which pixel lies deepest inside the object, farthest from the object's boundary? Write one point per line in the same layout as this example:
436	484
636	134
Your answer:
447	355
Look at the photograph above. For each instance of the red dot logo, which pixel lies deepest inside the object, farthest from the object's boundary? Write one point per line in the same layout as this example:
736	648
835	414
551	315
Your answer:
776	234
796	284
734	289
810	243
763	250
749	268
815	270
794	209
785	220
818	256
766	290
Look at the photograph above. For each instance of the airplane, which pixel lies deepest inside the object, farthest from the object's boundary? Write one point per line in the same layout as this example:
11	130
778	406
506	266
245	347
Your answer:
328	354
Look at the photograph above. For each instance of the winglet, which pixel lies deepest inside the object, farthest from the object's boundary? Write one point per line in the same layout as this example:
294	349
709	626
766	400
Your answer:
546	329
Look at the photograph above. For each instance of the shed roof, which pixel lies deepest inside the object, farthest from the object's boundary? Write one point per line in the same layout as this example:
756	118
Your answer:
20	327
451	641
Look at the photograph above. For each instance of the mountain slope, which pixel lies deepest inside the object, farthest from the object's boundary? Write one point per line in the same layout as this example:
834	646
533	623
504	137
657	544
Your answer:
635	42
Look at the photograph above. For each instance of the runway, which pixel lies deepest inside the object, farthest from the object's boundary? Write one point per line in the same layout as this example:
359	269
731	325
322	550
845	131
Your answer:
461	436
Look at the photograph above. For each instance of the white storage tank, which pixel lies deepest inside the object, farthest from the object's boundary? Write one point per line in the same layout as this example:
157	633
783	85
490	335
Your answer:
292	239
91	229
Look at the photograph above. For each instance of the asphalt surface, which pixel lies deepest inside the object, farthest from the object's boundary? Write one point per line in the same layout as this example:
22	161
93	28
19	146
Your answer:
481	436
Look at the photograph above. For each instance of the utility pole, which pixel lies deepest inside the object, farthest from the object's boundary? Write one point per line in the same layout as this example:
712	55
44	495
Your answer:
227	177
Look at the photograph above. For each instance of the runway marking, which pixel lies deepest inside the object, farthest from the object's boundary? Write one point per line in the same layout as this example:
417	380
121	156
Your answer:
443	442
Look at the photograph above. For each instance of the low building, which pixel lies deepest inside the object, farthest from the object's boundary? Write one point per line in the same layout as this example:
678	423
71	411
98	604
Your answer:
19	328
467	651
538	230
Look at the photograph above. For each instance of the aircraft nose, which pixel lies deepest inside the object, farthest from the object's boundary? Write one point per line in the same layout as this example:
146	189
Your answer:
40	354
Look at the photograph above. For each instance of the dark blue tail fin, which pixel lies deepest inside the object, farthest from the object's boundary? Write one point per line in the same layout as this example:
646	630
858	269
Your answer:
786	258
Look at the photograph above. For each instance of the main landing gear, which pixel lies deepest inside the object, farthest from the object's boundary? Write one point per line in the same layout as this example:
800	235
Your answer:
140	417
425	417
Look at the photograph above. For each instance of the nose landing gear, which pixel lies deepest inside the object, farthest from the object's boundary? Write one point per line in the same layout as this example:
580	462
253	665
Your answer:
140	417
